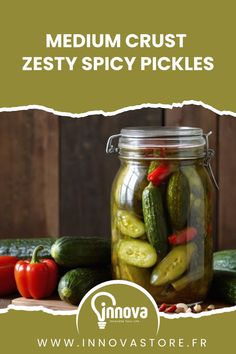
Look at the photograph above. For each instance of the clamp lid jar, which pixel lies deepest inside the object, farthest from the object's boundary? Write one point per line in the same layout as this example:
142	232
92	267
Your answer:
162	211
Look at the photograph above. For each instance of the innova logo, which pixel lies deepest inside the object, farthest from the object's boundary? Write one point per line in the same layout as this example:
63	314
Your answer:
117	305
115	312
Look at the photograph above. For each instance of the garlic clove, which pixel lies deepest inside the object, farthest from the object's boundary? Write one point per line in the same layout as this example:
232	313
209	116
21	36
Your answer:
197	308
210	307
180	310
182	305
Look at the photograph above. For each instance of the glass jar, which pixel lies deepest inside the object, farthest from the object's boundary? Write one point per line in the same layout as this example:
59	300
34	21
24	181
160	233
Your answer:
161	210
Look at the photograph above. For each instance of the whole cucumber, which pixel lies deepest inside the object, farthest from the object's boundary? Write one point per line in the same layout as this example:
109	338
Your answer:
178	200
73	252
224	286
154	219
24	247
77	282
225	260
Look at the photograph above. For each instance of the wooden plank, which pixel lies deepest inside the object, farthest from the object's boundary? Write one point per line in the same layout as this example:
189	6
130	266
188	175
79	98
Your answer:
197	116
227	173
87	172
53	304
28	174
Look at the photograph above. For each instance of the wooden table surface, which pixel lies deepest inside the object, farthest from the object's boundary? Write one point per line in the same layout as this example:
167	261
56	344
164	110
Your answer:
54	303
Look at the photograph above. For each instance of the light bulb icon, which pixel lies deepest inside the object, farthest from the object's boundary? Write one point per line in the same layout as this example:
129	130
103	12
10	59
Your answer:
101	315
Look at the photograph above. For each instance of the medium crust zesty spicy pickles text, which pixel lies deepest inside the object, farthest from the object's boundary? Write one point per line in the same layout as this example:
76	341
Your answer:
143	41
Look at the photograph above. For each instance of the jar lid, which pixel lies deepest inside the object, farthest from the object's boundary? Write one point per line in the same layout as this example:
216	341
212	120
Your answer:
157	137
157	132
138	142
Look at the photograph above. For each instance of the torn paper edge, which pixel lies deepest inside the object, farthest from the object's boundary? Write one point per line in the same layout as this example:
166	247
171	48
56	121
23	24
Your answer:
162	314
121	110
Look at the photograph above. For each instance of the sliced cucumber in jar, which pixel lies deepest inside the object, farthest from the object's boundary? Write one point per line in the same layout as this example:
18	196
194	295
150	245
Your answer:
129	225
137	253
173	265
134	274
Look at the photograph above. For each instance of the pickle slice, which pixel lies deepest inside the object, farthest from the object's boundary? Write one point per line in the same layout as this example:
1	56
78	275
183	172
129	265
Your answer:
173	265
129	224
137	253
134	274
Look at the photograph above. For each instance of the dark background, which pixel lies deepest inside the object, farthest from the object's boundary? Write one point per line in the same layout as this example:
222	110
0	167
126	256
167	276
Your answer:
55	177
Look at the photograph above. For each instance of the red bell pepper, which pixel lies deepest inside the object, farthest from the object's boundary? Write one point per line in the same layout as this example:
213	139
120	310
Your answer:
36	279
159	174
183	236
7	279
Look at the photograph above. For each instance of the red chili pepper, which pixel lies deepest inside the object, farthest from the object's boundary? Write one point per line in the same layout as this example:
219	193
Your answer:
183	236
159	174
162	307
171	309
7	279
36	279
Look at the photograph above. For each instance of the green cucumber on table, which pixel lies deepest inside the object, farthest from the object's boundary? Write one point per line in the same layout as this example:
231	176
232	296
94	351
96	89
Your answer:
23	247
77	282
225	260
73	252
224	280
224	286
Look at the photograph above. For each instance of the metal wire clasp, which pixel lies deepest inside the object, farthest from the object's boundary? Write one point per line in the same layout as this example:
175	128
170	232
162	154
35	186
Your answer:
110	148
209	155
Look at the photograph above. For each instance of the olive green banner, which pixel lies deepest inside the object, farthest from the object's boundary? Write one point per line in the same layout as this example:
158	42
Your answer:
153	53
197	54
36	332
112	317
